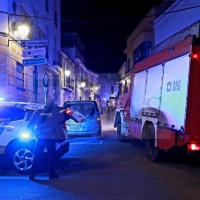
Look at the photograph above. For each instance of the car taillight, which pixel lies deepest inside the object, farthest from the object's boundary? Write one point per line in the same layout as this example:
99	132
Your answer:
68	111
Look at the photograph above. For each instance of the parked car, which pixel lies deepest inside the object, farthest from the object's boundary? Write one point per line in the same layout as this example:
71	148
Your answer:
91	126
16	143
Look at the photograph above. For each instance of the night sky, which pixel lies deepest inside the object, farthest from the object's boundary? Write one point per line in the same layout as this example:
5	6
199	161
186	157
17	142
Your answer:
103	27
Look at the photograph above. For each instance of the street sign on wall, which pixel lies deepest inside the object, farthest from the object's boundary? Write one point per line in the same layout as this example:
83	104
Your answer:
34	43
34	52
34	61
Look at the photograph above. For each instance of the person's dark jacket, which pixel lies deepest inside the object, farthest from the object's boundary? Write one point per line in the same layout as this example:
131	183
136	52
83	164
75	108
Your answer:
49	123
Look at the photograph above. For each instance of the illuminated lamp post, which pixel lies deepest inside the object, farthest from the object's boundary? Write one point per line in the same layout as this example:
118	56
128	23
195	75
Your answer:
65	82
67	72
83	84
22	31
96	88
66	76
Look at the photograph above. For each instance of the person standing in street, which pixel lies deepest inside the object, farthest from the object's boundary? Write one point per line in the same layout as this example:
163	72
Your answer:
49	127
103	105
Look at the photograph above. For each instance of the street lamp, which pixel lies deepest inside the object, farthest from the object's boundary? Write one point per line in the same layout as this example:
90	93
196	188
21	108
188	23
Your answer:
67	72
23	31
83	84
96	88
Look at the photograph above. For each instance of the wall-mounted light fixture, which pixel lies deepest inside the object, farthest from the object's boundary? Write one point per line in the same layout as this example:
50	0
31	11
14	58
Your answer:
22	31
96	88
83	84
67	72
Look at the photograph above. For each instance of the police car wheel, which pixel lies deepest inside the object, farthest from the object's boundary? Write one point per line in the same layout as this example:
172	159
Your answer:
21	159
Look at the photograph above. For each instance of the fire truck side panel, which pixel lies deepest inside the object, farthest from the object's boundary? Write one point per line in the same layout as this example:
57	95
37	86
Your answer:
138	95
153	90
193	109
174	93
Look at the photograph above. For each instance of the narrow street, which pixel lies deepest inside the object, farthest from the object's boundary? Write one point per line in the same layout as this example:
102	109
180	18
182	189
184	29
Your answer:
106	169
108	124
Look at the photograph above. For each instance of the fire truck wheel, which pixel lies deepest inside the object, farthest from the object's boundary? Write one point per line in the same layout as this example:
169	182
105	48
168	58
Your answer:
152	152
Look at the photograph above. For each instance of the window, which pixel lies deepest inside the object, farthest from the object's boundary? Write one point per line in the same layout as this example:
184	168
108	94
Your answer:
142	51
72	83
35	82
112	89
126	87
128	65
14	5
85	109
119	89
47	5
20	75
55	18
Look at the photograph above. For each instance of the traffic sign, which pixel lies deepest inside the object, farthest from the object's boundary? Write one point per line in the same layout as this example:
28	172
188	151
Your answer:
34	43
34	61
34	52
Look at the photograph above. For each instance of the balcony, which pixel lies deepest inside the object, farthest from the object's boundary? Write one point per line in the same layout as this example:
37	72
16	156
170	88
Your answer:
66	85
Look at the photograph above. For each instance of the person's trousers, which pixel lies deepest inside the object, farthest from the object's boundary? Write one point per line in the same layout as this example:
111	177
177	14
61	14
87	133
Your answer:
40	146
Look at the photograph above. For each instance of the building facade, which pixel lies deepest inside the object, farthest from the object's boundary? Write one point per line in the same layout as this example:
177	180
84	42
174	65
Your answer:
22	81
86	81
32	65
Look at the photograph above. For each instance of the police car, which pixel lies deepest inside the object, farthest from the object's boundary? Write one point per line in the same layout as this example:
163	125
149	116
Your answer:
16	143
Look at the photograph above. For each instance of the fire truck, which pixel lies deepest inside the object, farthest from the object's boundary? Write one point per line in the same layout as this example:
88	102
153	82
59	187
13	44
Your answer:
162	106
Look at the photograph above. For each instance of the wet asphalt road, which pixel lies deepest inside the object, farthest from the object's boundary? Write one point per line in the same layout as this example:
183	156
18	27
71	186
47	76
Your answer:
106	169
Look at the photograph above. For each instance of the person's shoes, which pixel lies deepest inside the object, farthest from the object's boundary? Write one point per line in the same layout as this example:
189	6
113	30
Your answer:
32	177
54	176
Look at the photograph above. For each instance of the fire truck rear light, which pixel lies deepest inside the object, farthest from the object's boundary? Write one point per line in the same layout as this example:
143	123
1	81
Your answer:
194	147
195	55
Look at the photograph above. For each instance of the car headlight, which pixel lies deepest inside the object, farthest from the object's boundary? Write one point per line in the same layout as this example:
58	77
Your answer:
25	135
